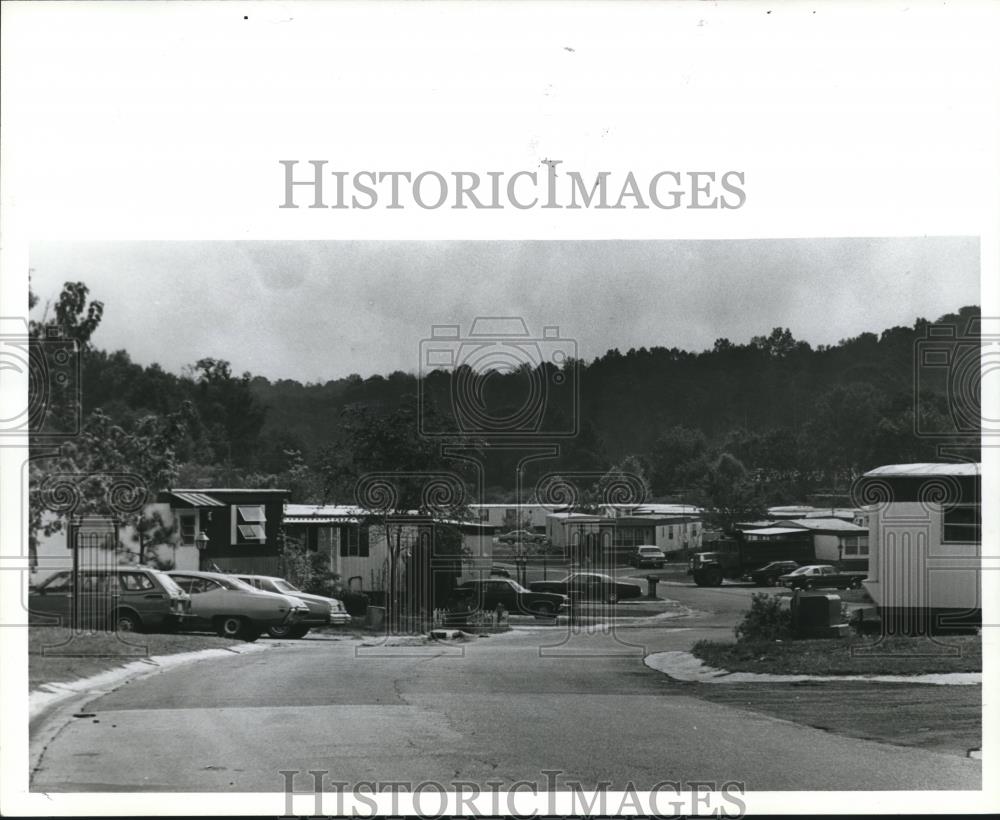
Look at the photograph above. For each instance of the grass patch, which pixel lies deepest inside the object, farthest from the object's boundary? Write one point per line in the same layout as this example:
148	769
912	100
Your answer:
847	656
847	596
56	654
937	718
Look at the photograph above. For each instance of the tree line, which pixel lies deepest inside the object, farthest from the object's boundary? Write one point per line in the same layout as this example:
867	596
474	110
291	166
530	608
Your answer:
775	415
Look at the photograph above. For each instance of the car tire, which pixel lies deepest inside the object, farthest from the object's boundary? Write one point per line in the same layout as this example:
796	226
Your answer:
856	583
611	597
770	581
544	610
713	578
125	620
237	628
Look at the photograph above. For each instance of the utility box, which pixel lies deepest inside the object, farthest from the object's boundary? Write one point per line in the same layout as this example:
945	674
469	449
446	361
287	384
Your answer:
652	581
817	615
375	617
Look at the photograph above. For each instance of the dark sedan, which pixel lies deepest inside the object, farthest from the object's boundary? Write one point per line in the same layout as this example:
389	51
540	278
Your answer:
769	574
521	537
490	593
590	586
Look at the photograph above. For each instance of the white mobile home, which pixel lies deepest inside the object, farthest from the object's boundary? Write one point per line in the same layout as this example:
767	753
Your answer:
357	549
836	541
925	539
512	516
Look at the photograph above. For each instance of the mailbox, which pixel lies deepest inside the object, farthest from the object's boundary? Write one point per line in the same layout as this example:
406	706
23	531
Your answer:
815	613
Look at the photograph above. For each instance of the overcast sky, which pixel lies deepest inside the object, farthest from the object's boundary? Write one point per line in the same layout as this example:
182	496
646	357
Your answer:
315	311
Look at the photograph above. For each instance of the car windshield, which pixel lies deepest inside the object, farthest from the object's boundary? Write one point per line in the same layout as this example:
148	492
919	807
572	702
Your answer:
233	583
54	582
515	584
168	583
282	585
800	571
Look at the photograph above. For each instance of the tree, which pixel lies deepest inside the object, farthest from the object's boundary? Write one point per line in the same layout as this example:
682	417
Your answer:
678	457
107	470
57	401
400	480
779	344
230	412
729	494
624	484
843	429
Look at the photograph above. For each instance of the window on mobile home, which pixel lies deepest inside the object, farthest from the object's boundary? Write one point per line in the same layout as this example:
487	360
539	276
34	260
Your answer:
354	541
962	524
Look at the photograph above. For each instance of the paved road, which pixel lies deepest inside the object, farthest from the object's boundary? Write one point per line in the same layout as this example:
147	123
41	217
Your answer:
503	708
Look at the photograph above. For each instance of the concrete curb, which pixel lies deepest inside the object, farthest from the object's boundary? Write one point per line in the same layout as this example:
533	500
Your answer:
51	706
684	666
51	694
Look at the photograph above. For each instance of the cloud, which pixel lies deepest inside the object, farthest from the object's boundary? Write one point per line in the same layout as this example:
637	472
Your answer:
315	311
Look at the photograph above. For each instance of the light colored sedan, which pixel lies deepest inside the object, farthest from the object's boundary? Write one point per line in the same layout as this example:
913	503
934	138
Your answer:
233	608
323	611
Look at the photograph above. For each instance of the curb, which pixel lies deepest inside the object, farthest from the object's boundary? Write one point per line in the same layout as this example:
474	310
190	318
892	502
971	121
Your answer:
51	694
683	666
51	706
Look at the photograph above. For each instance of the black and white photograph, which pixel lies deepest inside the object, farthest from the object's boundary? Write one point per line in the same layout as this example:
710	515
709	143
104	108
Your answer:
355	481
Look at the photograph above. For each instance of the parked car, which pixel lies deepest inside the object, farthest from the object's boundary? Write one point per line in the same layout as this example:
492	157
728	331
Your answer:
769	574
233	608
522	537
592	586
647	555
323	611
125	599
489	593
817	576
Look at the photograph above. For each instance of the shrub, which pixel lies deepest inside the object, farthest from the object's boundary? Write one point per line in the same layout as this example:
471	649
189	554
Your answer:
768	619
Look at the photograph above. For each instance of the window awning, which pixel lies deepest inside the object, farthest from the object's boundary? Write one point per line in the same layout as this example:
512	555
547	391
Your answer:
252	514
197	499
319	519
776	531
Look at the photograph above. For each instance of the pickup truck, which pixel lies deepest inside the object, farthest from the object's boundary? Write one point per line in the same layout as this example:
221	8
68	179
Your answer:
821	576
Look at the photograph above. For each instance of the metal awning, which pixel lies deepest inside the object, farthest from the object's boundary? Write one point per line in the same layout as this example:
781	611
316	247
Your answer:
197	499
318	519
777	531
